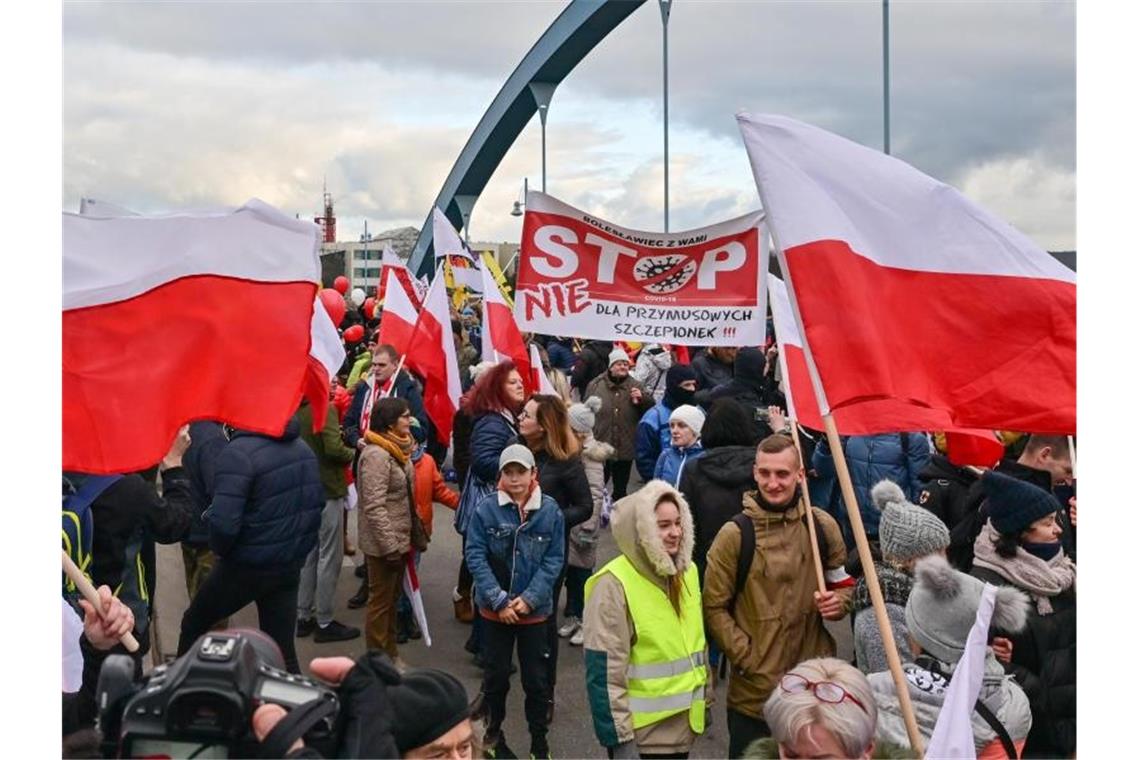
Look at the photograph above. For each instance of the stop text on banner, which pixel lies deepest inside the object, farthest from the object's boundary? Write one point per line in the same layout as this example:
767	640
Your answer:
580	275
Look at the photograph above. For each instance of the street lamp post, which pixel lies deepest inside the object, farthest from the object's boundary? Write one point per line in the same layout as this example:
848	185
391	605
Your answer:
542	92
664	6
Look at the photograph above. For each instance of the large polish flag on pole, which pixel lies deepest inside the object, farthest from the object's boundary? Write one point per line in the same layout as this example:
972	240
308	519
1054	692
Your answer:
501	336
326	355
391	263
164	322
911	298
446	242
431	355
398	320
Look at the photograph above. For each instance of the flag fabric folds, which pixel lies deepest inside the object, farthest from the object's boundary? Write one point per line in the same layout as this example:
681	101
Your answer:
326	354
399	318
501	337
539	379
391	263
411	584
916	304
431	355
164	323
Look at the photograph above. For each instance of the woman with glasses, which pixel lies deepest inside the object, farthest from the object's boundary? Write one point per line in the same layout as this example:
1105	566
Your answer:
544	427
386	512
644	634
821	708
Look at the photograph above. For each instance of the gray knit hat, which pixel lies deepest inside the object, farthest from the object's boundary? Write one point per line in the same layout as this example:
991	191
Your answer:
582	416
906	531
943	605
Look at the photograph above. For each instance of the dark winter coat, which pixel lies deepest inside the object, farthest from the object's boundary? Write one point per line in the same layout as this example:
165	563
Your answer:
405	387
561	354
714	485
564	480
871	458
462	427
945	488
710	372
206	442
616	422
492	432
593	360
1045	665
268	499
749	387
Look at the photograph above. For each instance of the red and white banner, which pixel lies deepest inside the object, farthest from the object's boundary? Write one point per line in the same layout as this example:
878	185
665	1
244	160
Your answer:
398	320
326	354
431	355
915	303
579	275
390	262
164	323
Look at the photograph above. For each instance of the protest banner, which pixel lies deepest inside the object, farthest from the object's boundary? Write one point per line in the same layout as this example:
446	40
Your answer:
580	275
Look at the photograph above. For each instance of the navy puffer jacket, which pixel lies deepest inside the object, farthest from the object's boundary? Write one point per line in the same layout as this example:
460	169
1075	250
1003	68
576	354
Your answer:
268	499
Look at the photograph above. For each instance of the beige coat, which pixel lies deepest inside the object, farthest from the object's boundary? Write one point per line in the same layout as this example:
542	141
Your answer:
584	537
608	631
384	512
775	624
616	422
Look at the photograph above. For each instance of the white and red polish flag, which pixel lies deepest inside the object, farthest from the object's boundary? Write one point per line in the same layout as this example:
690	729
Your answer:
398	320
431	355
326	354
910	297
501	337
541	381
165	322
390	262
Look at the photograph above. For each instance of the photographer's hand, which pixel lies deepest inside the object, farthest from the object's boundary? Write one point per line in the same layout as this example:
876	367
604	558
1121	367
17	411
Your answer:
265	718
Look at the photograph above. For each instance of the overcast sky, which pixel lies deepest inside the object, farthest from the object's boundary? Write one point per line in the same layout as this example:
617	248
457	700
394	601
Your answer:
189	104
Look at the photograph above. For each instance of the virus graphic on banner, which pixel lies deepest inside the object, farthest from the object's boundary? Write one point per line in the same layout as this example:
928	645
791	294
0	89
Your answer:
664	274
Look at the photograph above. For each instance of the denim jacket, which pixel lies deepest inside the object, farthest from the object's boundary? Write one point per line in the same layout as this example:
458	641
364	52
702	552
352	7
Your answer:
510	558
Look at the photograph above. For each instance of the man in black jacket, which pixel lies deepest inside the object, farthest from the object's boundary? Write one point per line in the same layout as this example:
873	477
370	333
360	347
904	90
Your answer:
592	361
716	366
751	387
263	523
383	376
124	516
945	489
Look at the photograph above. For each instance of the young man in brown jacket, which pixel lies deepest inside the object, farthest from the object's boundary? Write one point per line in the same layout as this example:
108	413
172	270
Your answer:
777	619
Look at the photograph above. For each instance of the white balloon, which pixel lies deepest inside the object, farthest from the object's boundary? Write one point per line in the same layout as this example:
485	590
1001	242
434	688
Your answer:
358	296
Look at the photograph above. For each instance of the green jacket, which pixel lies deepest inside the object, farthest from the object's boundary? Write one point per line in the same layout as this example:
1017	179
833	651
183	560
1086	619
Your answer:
332	454
360	368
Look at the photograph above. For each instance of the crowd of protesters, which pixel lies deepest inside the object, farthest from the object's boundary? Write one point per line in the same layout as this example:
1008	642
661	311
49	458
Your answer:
714	574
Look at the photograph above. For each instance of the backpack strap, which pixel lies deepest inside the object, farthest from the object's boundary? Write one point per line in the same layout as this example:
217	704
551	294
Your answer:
90	490
744	556
995	724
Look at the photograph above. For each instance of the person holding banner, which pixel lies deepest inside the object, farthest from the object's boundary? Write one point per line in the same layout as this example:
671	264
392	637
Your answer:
776	620
624	400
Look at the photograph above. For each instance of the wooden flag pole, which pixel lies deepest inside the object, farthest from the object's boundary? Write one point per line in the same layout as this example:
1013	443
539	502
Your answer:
1072	454
872	579
817	560
91	595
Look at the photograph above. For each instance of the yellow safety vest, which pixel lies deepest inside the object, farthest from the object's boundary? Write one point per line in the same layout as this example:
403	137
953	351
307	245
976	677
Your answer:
666	672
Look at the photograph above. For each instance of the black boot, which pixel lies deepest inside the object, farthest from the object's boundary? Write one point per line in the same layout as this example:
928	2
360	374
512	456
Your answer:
401	628
360	598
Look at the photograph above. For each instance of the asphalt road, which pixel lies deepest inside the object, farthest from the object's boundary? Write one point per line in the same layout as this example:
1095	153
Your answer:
572	733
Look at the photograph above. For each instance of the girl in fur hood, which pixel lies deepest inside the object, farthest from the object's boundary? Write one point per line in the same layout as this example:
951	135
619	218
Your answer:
940	612
653	530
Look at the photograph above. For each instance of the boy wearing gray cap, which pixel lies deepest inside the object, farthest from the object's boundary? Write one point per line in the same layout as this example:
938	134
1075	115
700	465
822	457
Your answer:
515	550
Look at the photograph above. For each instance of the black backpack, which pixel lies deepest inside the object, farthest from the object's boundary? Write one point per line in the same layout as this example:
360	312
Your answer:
748	540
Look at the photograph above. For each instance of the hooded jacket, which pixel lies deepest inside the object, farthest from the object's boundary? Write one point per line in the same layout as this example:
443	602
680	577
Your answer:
608	630
617	419
927	688
774	623
582	551
711	372
714	485
653	427
268	499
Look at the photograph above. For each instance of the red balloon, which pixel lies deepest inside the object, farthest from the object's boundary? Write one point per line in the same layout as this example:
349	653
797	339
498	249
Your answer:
354	334
340	284
334	305
369	307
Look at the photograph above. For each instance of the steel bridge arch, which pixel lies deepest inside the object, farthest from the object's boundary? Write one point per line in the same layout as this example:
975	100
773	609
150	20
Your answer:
576	31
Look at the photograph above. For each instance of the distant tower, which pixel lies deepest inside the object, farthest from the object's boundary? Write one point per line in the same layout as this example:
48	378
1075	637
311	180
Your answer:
327	222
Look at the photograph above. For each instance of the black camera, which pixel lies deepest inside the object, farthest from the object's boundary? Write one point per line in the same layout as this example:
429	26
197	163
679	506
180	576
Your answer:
201	704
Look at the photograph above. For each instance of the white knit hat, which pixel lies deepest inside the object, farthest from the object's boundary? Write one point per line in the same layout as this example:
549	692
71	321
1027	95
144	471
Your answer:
691	416
617	355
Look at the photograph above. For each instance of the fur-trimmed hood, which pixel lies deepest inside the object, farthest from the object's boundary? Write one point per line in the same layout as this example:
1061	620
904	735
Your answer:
634	527
595	450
